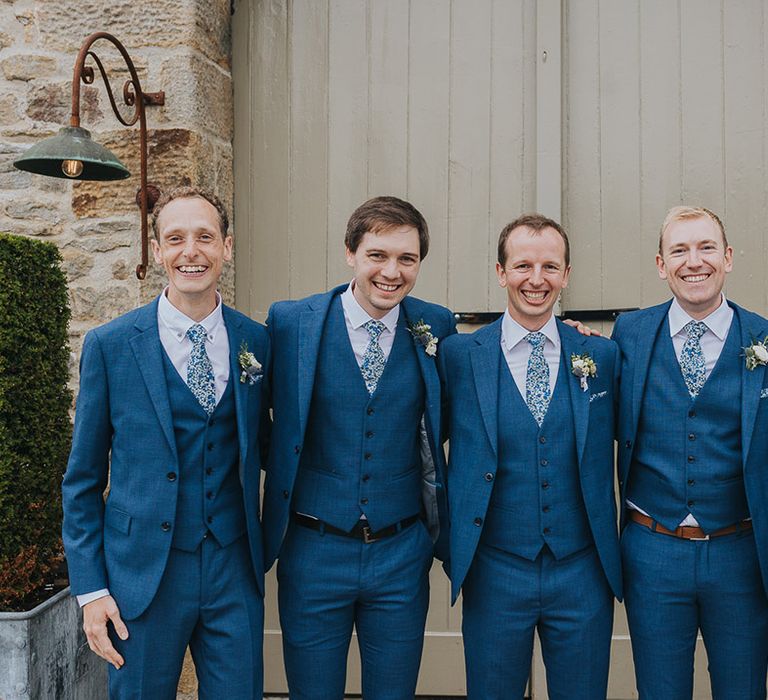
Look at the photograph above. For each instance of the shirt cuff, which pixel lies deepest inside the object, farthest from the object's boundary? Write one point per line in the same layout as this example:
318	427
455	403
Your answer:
86	598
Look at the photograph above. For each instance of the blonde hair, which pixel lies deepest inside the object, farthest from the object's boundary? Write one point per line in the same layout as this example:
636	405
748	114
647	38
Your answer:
684	213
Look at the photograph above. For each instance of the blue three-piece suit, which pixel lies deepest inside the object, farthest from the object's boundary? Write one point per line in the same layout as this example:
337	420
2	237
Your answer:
178	542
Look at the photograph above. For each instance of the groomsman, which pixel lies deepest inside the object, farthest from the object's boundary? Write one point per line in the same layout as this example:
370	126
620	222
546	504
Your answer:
356	463
693	444
533	541
168	416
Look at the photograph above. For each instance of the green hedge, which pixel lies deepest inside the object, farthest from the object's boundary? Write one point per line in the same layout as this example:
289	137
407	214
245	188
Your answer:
35	430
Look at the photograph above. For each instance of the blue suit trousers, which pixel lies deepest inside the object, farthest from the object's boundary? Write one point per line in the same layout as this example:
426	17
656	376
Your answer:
672	589
329	583
208	600
568	601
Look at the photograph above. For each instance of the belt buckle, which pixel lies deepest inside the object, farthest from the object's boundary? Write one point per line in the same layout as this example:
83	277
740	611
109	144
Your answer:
700	539
368	536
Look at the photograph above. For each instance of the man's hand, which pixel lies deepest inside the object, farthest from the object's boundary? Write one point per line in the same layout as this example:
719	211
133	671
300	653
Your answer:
95	617
581	328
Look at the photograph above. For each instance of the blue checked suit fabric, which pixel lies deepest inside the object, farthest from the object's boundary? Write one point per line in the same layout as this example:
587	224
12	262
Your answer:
373	358
200	371
537	378
692	358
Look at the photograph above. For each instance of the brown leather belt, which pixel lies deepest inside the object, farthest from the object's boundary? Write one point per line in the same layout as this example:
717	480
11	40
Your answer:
361	530
688	532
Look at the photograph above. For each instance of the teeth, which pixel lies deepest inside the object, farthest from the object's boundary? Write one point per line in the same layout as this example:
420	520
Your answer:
695	278
192	268
534	295
386	287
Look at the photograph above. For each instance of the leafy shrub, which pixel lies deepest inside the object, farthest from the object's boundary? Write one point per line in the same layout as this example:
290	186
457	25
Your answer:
35	428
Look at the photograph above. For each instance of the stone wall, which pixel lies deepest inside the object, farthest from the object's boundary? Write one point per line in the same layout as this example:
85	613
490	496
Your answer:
180	46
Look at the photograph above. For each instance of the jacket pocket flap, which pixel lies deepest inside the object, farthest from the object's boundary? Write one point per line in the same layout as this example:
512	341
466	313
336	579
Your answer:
118	520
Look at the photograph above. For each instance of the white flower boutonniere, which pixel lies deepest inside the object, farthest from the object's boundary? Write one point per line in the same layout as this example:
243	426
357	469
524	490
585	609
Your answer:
422	334
583	366
757	353
250	366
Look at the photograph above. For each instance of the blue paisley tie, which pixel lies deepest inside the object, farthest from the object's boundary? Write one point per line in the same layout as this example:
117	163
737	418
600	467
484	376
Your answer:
373	358
537	378
200	371
692	358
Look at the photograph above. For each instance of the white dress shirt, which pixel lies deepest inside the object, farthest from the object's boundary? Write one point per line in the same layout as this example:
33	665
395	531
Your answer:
173	325
356	317
718	324
517	350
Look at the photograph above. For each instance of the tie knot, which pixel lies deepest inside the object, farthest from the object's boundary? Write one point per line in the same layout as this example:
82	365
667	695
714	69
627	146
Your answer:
695	329
196	334
374	328
536	339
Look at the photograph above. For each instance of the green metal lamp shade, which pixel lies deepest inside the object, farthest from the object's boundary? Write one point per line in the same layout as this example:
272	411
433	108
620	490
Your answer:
72	143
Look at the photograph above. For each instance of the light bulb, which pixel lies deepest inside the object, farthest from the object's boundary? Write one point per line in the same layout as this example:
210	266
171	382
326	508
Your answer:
72	168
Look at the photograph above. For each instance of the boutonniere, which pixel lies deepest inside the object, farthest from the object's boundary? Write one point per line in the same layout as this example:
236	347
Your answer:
756	354
250	366
583	366
422	334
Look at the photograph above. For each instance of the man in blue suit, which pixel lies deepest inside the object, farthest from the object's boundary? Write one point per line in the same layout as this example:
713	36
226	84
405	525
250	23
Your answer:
168	416
533	540
693	443
355	463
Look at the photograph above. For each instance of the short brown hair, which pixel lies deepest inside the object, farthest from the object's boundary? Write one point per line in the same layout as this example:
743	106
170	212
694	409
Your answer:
535	223
188	192
684	213
381	214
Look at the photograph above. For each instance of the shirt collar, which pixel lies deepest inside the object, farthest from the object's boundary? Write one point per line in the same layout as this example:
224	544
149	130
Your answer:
358	316
719	321
179	323
513	333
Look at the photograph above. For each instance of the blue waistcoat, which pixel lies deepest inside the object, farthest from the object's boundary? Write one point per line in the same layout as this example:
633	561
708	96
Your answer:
536	498
210	497
687	456
361	453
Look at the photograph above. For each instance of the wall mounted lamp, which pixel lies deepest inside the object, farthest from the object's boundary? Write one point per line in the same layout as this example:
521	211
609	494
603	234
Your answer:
72	154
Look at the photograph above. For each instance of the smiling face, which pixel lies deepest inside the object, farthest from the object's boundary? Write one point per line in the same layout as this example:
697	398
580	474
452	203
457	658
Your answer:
192	249
694	261
534	274
386	265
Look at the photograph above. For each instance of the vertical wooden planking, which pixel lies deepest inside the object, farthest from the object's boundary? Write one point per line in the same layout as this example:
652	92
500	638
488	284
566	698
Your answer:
508	137
701	40
388	105
469	140
582	202
309	147
620	149
744	168
529	156
270	153
660	135
347	125
428	103
241	217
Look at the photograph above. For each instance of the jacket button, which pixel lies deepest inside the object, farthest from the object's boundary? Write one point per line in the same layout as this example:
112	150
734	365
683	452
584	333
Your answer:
542	439
488	476
369	411
366	477
691	414
367	455
297	449
691	482
544	462
209	519
547	530
285	494
628	444
691	436
209	470
209	495
478	521
691	503
171	476
691	458
165	526
210	446
545	484
364	501
545	509
369	434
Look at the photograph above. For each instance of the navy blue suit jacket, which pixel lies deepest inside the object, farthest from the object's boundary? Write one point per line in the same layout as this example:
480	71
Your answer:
296	329
470	368
635	332
124	433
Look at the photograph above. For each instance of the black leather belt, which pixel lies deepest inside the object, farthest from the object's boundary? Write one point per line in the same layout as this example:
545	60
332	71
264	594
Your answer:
361	530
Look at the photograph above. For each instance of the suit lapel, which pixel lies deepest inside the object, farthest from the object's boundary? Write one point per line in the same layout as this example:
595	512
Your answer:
485	358
148	353
646	336
573	344
751	383
239	389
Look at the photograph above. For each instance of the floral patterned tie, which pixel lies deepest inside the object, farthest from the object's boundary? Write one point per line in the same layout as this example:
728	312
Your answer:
692	358
200	371
537	378
373	358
